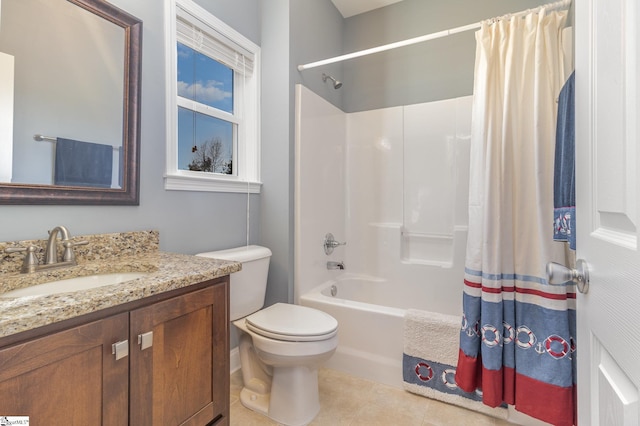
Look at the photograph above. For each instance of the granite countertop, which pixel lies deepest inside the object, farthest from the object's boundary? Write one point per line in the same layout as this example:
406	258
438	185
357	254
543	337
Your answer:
167	271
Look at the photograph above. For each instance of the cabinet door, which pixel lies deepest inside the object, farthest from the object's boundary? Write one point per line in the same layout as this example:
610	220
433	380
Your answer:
68	378
180	368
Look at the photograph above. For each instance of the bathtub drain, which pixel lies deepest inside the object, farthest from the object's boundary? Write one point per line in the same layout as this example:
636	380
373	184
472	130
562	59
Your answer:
334	290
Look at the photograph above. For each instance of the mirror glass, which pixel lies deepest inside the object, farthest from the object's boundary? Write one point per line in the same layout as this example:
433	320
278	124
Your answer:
69	73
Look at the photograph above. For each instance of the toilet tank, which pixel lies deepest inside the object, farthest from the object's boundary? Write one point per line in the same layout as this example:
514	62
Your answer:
248	286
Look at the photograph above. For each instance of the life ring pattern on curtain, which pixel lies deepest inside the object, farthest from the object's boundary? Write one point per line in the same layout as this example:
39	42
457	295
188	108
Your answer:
437	376
523	337
555	346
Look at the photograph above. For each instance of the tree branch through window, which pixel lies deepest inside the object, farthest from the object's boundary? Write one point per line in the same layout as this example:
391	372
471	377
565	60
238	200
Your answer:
210	157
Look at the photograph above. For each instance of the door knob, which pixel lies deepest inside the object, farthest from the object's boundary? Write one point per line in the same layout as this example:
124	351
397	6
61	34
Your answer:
560	274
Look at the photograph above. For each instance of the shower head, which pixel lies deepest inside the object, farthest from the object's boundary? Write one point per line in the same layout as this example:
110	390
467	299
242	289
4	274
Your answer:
336	84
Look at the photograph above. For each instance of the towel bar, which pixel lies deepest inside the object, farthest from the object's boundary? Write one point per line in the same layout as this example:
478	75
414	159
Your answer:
41	138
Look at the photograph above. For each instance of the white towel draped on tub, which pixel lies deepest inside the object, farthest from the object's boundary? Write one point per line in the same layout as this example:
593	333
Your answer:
432	335
430	355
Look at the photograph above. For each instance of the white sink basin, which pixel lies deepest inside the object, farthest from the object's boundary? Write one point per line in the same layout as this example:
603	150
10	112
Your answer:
74	284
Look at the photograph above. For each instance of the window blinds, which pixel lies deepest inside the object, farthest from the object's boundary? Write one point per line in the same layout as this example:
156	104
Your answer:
199	36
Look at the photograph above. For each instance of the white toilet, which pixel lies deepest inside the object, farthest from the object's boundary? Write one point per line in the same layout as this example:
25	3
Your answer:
281	347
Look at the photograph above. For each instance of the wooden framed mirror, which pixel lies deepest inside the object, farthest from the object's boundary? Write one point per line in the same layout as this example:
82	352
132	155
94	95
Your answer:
69	103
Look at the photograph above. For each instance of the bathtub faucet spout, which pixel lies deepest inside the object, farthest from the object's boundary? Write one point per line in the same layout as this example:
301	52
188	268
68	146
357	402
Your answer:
335	265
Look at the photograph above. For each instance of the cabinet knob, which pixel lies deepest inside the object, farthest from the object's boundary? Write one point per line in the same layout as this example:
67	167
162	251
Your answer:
145	340
120	349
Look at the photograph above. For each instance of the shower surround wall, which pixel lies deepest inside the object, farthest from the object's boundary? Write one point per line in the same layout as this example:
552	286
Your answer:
393	184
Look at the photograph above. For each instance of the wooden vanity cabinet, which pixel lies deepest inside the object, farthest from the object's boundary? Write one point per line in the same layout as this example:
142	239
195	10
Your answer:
68	378
176	373
180	362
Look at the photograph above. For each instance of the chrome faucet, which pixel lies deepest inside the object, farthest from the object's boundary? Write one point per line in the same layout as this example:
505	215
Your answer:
335	265
31	263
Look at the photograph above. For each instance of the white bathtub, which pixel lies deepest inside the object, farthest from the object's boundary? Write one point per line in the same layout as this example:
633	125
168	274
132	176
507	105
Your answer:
370	314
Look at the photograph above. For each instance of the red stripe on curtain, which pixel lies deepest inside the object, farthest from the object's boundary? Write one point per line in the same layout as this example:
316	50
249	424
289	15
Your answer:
549	403
552	404
498	290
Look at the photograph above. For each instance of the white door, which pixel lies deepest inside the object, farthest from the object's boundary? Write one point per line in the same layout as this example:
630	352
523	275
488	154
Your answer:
608	218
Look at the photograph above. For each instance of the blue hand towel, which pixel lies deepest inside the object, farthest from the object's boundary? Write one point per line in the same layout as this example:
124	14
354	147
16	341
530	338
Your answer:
564	182
83	164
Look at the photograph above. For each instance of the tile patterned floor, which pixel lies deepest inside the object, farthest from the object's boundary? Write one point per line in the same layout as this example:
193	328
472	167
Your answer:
351	401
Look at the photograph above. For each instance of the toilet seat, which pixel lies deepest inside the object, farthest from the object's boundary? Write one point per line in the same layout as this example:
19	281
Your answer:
292	323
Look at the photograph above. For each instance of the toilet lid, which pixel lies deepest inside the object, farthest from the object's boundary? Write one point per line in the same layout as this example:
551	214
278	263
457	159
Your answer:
294	323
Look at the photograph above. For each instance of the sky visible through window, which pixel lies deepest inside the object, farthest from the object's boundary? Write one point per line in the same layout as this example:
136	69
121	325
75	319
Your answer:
208	82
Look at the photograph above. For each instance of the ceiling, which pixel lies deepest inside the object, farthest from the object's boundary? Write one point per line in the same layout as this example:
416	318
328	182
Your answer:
354	7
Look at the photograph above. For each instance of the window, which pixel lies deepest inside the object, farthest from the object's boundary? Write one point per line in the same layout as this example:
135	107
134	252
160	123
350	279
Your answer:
212	104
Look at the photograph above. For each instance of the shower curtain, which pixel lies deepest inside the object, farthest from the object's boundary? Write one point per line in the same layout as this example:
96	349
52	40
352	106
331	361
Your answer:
517	342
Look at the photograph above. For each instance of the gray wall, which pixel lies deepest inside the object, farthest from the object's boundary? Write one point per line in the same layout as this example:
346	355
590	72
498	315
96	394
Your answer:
433	70
189	222
277	124
318	32
242	15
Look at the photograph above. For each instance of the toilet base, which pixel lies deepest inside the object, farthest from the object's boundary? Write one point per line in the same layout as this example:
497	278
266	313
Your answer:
258	402
293	400
294	395
280	376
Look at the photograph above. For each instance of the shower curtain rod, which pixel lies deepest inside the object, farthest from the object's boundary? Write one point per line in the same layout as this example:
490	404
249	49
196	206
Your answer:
550	6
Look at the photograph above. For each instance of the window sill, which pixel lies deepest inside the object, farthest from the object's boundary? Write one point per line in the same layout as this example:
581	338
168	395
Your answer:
209	184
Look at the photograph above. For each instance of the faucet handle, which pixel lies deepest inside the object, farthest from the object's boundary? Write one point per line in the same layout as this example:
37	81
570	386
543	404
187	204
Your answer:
330	243
69	243
69	255
17	249
30	260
